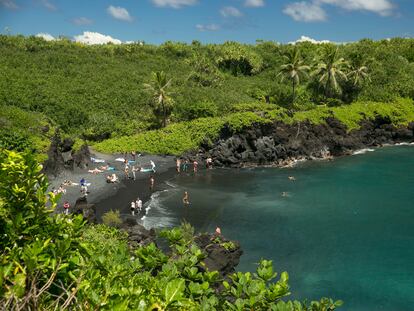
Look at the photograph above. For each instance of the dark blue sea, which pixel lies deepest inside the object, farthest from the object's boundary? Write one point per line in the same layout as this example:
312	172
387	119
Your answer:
345	229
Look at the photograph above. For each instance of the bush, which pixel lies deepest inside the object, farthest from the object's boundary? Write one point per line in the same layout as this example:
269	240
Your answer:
112	218
187	112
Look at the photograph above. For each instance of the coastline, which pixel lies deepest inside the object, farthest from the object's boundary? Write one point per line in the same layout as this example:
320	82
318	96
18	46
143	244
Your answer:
106	196
274	146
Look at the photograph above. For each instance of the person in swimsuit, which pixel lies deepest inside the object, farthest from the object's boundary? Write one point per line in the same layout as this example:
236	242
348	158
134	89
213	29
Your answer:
186	199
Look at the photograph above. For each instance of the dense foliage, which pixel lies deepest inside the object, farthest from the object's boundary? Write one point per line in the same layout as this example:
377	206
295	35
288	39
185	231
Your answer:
181	137
23	130
98	91
53	261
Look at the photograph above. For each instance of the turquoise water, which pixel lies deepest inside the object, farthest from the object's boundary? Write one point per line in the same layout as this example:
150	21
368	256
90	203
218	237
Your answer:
346	230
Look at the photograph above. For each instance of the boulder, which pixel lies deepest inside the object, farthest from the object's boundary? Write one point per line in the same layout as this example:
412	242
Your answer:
219	258
137	234
87	210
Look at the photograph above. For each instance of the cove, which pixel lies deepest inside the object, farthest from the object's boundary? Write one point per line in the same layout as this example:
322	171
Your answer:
345	231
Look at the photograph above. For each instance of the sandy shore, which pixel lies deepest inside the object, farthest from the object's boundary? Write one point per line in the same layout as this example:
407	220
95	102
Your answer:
114	196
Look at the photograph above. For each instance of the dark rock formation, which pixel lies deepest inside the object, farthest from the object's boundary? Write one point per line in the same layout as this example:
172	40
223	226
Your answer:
82	158
280	144
219	258
137	234
55	162
87	210
61	156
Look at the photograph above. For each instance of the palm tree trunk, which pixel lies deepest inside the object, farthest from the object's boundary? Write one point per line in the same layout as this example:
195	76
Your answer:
293	92
328	80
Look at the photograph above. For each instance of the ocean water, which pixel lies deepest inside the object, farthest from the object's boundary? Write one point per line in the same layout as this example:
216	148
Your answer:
345	230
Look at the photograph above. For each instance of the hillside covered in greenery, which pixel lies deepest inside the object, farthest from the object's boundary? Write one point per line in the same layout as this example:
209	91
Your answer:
98	92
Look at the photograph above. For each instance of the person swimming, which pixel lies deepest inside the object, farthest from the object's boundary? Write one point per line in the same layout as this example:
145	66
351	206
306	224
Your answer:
292	178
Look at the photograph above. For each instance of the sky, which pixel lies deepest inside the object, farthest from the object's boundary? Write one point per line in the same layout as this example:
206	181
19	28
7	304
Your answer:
209	21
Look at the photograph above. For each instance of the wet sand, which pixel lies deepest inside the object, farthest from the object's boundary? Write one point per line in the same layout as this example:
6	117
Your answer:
116	196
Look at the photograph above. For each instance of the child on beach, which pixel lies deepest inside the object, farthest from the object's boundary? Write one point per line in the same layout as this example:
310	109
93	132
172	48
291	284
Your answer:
66	207
195	165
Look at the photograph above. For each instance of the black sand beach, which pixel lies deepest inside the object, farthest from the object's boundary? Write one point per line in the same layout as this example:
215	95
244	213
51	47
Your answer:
115	196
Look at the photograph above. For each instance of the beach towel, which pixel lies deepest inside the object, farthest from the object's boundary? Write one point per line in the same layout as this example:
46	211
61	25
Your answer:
95	160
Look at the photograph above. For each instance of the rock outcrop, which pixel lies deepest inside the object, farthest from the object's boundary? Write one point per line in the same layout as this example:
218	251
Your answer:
87	210
137	234
281	144
222	255
61	156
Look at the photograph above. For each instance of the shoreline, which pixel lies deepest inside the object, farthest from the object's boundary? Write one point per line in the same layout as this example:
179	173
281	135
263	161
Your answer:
100	191
119	195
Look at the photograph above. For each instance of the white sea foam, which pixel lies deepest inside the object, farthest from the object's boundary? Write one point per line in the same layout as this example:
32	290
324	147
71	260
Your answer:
362	151
171	184
403	144
157	214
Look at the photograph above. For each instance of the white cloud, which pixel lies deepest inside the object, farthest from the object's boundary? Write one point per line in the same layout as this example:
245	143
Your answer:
48	5
312	10
176	4
120	13
82	21
254	3
89	37
9	4
209	27
307	39
45	36
305	12
230	11
381	7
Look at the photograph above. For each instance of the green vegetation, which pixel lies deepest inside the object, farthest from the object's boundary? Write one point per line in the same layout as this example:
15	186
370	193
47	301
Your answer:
53	261
99	92
112	218
21	130
181	137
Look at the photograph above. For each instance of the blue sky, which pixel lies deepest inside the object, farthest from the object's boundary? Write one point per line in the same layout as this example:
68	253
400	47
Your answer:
156	21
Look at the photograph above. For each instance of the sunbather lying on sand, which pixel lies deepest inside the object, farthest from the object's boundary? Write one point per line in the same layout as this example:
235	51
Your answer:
95	171
111	178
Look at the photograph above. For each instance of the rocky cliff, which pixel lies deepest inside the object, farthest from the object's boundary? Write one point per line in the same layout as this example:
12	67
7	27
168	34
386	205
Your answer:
281	144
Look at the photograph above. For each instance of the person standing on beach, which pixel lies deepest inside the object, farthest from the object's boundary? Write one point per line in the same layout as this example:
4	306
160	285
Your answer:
185	166
152	182
178	164
133	154
186	199
138	204
195	166
133	208
126	168
134	169
66	206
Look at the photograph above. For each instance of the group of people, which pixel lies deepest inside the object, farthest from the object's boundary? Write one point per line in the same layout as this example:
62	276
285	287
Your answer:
136	206
183	165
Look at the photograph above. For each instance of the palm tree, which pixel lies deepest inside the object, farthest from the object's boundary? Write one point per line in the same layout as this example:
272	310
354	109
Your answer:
359	75
330	70
161	97
293	69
